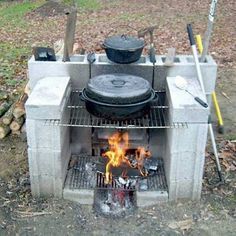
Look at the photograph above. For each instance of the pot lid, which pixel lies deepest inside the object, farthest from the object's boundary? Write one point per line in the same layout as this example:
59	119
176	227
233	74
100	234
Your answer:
123	42
118	88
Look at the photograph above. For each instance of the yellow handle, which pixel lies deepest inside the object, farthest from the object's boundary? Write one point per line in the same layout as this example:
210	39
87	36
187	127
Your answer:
218	112
215	101
199	43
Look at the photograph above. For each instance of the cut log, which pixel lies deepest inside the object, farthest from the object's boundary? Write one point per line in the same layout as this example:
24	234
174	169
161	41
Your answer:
4	107
3	95
4	130
17	123
8	116
27	89
19	109
16	132
23	128
23	135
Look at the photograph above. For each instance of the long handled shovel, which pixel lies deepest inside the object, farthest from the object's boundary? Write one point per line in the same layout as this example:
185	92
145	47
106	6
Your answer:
199	75
207	35
204	52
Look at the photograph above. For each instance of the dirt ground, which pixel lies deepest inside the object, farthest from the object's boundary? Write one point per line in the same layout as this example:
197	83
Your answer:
20	214
215	214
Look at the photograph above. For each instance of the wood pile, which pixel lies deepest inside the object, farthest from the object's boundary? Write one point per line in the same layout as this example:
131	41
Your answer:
12	115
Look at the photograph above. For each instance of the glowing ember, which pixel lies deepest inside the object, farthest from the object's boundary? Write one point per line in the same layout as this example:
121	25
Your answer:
117	155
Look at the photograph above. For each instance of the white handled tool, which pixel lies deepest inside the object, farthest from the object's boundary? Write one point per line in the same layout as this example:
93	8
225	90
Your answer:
199	74
182	84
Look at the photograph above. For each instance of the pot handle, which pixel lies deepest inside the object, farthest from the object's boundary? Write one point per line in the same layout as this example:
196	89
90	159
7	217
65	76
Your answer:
81	96
156	97
103	46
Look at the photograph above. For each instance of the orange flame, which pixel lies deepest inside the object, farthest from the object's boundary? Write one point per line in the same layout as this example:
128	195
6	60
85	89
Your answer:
118	146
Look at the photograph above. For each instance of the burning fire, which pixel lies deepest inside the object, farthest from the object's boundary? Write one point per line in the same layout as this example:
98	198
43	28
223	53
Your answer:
118	157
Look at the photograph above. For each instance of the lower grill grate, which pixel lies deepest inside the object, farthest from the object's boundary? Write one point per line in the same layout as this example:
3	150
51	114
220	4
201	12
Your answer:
83	175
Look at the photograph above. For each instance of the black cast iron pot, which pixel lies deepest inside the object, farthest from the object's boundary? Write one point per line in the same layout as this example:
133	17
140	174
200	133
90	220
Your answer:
123	49
118	96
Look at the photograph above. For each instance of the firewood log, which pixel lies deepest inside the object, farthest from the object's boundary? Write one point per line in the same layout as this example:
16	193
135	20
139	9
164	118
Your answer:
4	130
27	89
3	95
16	132
19	109
4	107
23	128
17	123
8	116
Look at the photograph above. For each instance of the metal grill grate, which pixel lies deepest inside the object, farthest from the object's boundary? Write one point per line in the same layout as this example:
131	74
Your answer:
101	184
158	117
78	177
158	181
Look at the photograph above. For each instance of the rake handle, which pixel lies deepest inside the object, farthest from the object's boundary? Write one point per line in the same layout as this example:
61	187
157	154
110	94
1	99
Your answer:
190	34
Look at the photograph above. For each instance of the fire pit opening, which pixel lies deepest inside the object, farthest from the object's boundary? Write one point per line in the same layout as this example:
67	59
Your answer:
115	202
120	174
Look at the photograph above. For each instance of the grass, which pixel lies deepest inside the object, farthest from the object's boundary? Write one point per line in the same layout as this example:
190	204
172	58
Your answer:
12	19
10	60
230	137
89	4
13	13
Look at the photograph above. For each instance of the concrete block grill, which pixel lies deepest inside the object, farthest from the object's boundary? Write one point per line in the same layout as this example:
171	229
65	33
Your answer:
65	142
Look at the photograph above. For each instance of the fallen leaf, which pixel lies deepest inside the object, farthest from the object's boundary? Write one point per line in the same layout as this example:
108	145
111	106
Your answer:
183	225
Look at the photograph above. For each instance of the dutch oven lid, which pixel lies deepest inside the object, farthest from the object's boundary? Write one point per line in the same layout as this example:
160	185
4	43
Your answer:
118	89
123	42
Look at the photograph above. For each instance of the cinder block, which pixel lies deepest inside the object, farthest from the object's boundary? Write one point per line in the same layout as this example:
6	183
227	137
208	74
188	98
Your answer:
40	135
183	107
149	198
78	70
46	186
48	98
184	160
191	139
142	68
187	189
49	162
48	170
185	165
81	196
184	65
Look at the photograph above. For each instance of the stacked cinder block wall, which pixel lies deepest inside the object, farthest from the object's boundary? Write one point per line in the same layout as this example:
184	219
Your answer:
185	148
48	146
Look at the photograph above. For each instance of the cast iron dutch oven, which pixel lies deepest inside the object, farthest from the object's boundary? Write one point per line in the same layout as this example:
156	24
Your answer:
123	49
118	96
